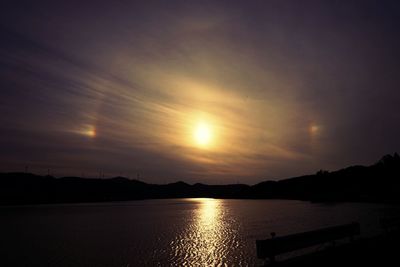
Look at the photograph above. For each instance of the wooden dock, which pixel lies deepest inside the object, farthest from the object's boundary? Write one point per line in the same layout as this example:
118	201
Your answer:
382	250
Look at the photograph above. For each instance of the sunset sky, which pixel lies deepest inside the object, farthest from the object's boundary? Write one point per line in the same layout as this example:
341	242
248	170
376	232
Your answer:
199	91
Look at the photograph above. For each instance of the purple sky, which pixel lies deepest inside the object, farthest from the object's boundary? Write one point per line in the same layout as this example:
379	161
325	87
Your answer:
282	88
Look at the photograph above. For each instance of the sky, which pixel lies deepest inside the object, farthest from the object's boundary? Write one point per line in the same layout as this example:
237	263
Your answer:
214	92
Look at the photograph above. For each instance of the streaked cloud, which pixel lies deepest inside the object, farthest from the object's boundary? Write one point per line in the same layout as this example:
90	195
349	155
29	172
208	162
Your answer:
285	89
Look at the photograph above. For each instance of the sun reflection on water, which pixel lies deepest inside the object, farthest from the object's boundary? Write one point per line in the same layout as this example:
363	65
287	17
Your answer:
209	238
209	229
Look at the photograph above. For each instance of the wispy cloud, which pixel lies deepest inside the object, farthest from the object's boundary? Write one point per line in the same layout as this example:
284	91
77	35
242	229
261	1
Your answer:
122	88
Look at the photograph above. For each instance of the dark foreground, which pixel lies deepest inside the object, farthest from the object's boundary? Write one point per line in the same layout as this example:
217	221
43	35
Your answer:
377	251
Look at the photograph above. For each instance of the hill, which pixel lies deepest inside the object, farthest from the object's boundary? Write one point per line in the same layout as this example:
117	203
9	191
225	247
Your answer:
376	183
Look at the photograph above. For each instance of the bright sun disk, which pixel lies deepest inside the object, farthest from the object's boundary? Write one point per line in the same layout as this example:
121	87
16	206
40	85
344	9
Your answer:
202	134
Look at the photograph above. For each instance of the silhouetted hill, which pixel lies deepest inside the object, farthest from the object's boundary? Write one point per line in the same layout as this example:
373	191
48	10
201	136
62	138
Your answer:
377	183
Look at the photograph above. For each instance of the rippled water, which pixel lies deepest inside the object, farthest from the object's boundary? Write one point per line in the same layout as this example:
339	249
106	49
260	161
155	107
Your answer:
174	232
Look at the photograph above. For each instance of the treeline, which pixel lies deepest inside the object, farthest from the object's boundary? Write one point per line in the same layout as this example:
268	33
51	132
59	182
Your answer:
377	183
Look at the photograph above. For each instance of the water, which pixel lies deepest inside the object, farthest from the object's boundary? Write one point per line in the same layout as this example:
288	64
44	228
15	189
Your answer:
172	232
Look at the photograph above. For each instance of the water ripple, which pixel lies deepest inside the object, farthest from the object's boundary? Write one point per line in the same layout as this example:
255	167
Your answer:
210	238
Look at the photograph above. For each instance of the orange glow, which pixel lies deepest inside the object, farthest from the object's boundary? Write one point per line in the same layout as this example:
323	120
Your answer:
87	130
314	129
91	132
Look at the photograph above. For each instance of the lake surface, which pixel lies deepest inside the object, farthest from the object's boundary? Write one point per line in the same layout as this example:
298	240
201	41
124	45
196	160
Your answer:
168	232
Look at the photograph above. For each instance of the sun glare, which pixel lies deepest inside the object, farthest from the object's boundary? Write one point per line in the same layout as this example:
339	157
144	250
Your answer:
202	134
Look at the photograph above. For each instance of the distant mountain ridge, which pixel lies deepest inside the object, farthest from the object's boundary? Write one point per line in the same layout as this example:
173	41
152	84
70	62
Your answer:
376	183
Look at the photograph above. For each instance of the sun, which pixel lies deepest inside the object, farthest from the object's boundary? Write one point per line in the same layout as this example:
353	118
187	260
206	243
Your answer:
203	134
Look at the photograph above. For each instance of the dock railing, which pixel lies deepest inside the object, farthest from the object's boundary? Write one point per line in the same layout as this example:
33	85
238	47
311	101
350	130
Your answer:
270	248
